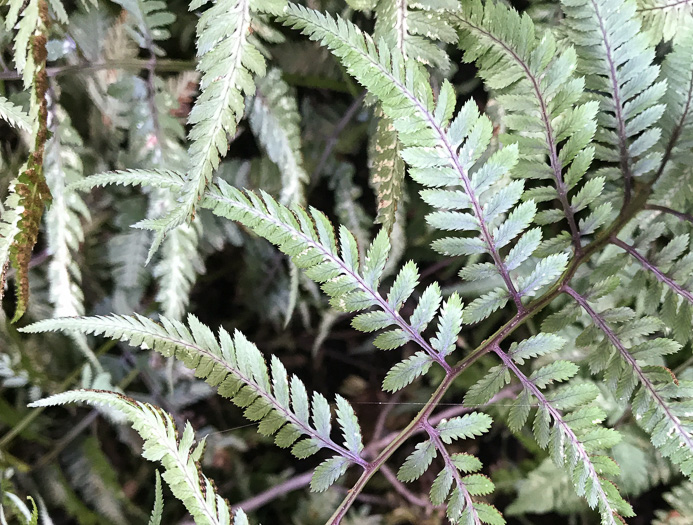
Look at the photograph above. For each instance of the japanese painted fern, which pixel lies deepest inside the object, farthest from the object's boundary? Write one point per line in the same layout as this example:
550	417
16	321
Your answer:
567	210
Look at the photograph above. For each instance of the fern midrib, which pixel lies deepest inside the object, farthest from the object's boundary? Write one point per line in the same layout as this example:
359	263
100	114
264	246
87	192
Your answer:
401	29
621	125
443	139
382	303
659	274
182	467
558	419
288	415
434	436
644	381
550	139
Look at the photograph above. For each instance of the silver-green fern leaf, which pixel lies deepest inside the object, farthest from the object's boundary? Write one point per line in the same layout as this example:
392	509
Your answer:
235	366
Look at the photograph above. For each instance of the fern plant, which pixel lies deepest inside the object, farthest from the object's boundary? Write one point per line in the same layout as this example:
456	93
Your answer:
564	206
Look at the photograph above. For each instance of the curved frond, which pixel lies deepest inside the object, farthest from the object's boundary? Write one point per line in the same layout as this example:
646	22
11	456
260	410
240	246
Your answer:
178	455
237	368
516	62
617	61
442	151
566	422
659	398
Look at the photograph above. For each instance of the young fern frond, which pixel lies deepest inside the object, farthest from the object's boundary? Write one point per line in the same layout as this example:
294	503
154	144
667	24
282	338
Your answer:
158	509
618	65
680	499
659	403
441	152
274	119
239	372
149	22
178	455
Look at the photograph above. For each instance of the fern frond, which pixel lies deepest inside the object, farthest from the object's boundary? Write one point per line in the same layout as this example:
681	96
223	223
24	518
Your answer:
681	500
677	120
158	509
440	151
659	402
237	368
9	230
664	19
386	169
515	62
565	422
178	269
62	166
178	456
227	61
27	18
618	64
275	121
141	177
309	239
14	115
461	508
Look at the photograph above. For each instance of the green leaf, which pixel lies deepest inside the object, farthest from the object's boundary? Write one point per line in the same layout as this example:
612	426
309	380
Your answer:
488	386
404	372
464	427
327	473
417	462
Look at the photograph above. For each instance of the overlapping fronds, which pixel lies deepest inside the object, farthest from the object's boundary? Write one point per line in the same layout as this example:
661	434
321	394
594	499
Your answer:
445	152
227	61
567	419
63	166
664	19
274	119
178	455
458	481
417	29
624	349
237	368
309	239
539	94
617	62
